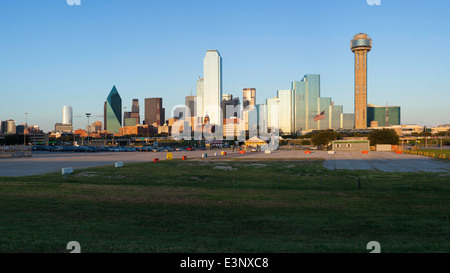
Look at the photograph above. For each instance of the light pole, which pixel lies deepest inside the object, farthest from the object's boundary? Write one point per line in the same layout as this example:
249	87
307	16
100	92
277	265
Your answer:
24	138
88	127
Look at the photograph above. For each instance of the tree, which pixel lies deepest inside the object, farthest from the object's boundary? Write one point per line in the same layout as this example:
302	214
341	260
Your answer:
323	137
383	136
305	142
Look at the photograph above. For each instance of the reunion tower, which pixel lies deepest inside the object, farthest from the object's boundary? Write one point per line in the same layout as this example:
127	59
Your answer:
361	45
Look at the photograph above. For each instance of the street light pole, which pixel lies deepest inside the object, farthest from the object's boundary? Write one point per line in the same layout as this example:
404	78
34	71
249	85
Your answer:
24	138
89	127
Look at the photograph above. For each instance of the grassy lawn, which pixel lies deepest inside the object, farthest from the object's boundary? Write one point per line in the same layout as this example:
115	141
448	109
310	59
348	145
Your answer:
229	206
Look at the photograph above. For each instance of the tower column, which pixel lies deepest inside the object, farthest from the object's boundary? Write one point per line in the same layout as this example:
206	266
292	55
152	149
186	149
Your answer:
361	45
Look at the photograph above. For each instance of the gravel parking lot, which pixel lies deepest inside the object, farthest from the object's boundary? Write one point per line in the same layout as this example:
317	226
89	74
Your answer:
47	162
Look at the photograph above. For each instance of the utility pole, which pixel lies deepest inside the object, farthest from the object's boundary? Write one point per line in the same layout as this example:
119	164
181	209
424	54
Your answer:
89	127
24	128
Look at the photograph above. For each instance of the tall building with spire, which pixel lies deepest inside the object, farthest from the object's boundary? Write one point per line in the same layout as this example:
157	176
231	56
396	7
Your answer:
113	110
360	46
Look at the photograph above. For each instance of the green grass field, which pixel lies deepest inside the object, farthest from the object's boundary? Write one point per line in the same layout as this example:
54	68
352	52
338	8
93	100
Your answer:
225	206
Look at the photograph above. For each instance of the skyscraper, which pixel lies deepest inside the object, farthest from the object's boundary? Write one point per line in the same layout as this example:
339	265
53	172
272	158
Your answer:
286	111
154	112
361	45
67	115
135	106
383	115
190	103
308	104
8	127
307	92
212	93
249	98
199	100
113	111
248	103
228	106
132	118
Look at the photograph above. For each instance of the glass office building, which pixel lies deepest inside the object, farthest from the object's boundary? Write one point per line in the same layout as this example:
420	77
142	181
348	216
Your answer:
286	111
199	100
114	111
212	86
308	104
383	115
324	105
307	92
273	112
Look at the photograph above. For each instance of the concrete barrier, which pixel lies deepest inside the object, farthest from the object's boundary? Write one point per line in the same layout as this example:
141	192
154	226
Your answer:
118	164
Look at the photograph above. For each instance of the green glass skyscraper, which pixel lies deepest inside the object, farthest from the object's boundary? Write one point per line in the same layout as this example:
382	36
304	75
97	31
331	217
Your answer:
113	111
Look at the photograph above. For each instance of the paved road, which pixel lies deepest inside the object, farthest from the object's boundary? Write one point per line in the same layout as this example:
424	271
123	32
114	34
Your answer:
46	162
382	161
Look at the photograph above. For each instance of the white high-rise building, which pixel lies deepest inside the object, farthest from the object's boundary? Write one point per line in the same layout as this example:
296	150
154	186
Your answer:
212	81
67	115
286	111
199	100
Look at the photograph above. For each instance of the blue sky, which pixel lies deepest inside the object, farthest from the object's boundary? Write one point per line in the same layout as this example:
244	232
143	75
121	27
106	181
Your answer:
53	54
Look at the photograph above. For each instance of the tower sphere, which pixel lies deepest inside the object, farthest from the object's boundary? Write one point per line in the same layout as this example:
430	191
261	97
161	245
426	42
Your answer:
361	41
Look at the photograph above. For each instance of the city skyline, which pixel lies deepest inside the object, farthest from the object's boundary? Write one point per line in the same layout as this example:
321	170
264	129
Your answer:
64	64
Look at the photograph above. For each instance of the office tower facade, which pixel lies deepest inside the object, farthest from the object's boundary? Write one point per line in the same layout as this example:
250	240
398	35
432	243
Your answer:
212	89
154	111
308	104
348	121
258	120
273	107
189	101
199	99
383	115
230	107
286	111
104	116
249	98
248	103
132	118
324	104
307	92
63	128
67	115
113	111
8	127
135	106
360	46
